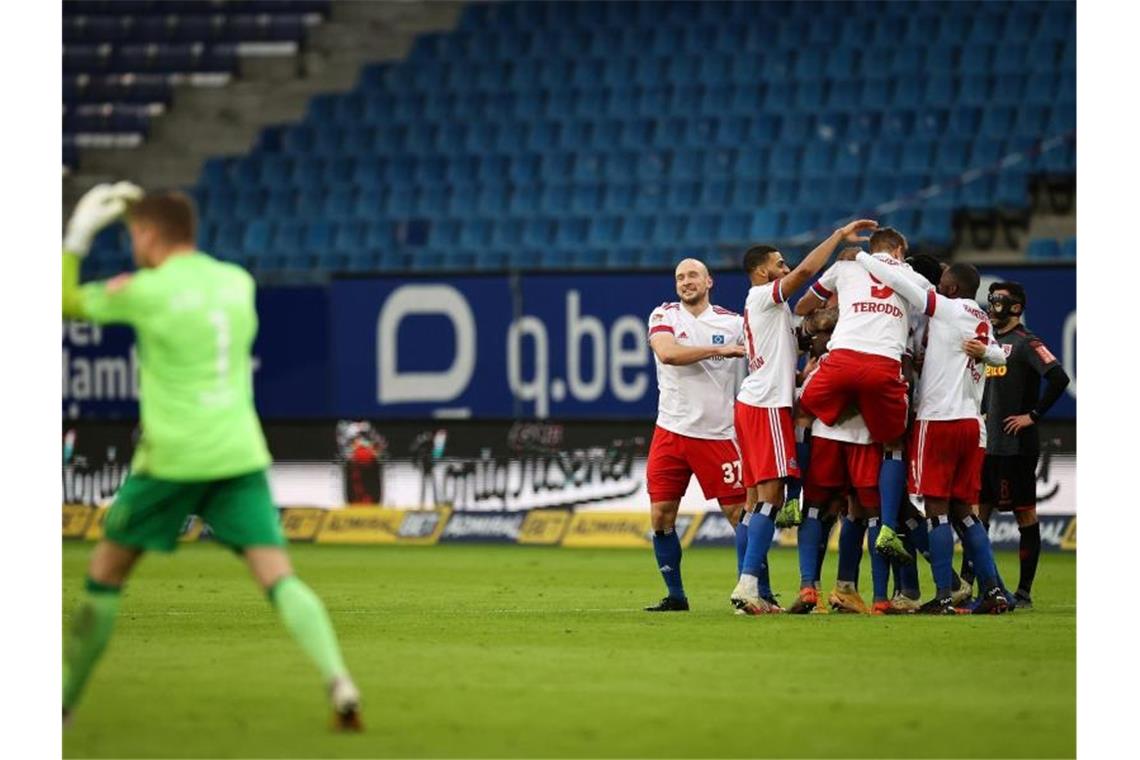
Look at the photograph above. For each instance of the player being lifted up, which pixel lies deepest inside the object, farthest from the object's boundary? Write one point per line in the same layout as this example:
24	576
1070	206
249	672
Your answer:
948	440
693	344
863	370
202	449
764	404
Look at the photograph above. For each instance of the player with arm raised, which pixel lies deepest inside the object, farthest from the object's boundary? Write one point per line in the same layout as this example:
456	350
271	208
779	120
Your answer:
863	370
202	449
764	405
694	343
948	441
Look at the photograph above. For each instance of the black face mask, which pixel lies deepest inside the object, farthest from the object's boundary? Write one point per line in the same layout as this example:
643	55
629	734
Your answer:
1001	308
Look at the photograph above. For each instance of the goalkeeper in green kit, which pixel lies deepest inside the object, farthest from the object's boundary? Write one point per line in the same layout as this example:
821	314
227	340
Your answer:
202	450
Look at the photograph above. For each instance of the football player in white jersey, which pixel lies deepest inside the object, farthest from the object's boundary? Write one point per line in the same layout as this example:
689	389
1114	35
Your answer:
863	369
695	345
948	441
764	405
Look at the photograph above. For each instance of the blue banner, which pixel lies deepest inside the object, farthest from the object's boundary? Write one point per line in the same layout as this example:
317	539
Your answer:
555	345
483	346
291	361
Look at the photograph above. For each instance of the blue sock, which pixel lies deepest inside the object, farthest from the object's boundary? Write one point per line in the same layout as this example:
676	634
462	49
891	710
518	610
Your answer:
807	546
761	528
826	524
880	568
981	552
741	545
667	549
803	452
942	553
906	575
851	533
918	536
892	485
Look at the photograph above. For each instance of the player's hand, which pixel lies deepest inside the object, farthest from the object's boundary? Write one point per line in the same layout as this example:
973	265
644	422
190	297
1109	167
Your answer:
731	352
975	349
1015	423
99	206
850	232
811	366
849	254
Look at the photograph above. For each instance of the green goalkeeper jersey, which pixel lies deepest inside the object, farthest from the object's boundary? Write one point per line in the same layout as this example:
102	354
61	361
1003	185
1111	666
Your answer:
195	321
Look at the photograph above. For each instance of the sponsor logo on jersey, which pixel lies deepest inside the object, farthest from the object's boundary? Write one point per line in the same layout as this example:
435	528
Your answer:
996	371
657	318
870	307
718	340
1008	348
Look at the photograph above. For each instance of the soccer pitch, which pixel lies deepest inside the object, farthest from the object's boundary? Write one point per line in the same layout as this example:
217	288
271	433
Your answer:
488	651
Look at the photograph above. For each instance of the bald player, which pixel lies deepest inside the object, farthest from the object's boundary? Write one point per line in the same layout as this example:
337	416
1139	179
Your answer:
696	346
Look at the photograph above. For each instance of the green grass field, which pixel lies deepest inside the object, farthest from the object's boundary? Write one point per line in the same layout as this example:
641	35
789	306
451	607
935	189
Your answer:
478	651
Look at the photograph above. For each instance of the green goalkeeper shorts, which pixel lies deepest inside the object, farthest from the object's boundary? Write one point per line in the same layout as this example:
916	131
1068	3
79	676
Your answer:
150	513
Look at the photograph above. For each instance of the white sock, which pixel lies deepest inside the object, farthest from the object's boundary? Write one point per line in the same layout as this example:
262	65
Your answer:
750	584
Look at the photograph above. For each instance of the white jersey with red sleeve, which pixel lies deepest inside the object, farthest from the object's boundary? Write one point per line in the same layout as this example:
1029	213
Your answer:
951	384
872	316
771	343
696	400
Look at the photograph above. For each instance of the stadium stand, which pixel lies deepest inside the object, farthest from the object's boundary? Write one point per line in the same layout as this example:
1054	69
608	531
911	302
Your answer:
617	134
122	59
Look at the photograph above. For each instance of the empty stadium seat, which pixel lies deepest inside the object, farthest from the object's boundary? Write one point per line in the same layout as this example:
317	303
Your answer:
612	135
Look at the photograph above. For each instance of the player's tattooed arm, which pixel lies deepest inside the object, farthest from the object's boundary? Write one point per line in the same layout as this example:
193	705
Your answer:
669	351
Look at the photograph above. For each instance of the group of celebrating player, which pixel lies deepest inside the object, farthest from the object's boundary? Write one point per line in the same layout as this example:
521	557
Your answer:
894	345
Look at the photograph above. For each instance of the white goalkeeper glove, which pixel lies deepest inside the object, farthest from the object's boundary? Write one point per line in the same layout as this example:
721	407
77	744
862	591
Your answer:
99	206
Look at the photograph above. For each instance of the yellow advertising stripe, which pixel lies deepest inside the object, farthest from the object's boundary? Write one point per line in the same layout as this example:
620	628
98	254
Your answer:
608	529
1069	537
544	527
95	527
361	525
76	518
302	523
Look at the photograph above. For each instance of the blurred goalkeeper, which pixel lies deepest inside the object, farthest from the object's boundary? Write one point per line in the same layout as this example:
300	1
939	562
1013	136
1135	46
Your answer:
202	449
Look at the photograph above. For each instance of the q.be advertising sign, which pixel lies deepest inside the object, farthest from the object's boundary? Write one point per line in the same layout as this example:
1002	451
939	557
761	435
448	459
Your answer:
536	346
556	345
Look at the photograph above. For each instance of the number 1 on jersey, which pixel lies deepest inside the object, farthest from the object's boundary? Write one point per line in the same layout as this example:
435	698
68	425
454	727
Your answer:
222	326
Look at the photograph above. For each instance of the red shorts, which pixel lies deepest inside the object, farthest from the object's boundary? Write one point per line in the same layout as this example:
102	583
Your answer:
839	465
873	384
767	442
673	459
946	458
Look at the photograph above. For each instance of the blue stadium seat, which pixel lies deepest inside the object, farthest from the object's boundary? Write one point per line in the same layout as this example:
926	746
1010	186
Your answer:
1012	190
1031	121
935	227
1069	249
604	231
281	203
818	160
917	156
997	122
978	194
1043	249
